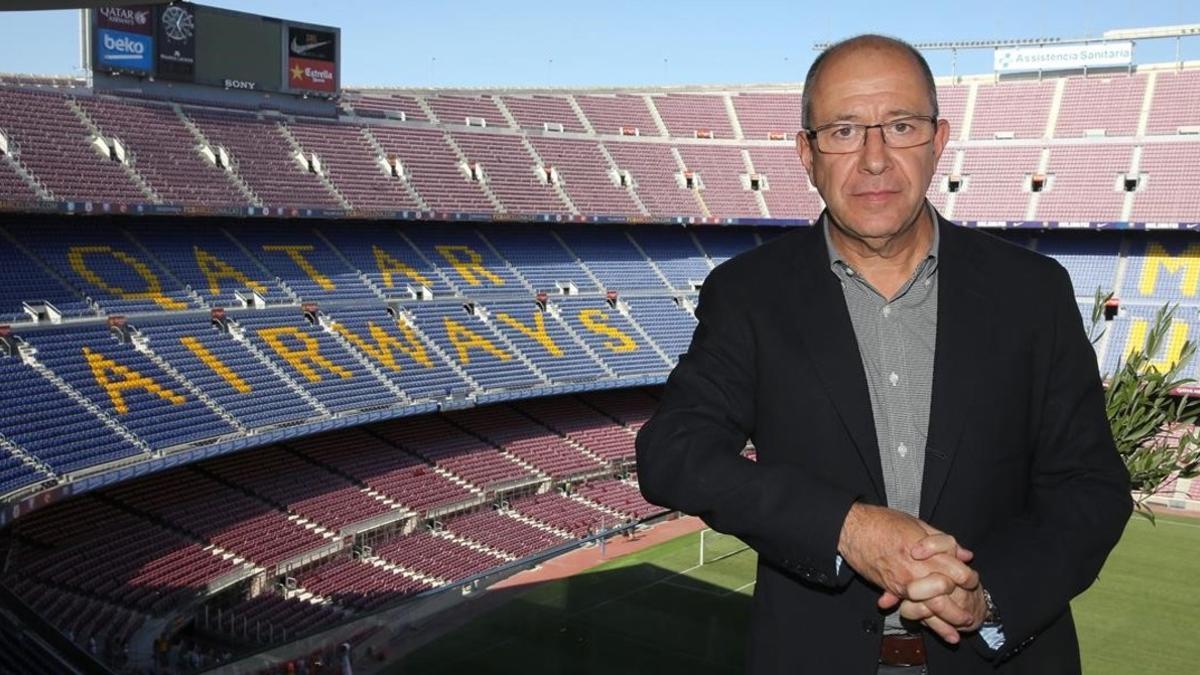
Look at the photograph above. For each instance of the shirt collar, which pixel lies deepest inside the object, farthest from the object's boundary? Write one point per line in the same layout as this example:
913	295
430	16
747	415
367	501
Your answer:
924	269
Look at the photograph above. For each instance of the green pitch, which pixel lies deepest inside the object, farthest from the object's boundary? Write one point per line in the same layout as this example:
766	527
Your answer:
657	612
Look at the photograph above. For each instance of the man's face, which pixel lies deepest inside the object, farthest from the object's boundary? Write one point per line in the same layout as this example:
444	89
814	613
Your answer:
878	191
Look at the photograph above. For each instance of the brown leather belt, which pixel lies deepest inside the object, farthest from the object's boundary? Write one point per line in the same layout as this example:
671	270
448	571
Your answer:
902	650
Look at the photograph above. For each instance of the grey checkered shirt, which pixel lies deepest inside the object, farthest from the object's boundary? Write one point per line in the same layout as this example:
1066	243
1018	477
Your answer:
896	341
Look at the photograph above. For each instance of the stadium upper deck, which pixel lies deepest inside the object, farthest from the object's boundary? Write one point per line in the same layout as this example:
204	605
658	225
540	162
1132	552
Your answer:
1105	148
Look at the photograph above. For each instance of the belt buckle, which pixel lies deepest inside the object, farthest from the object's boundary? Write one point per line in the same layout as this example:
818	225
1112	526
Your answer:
902	650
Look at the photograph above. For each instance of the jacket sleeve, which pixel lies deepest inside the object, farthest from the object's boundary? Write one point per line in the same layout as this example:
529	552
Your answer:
689	453
1079	499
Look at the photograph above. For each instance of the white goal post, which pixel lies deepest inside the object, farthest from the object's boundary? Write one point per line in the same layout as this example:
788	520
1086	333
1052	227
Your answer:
716	546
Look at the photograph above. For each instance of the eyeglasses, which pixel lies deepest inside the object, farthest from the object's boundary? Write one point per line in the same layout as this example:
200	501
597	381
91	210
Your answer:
842	138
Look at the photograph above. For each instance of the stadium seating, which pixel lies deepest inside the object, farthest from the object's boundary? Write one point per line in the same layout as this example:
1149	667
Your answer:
209	263
1087	183
436	556
128	385
619	496
258	618
611	114
455	110
996	183
166	154
56	148
263	158
502	532
1018	109
353	165
462	455
597	154
1172	187
789	193
612	335
762	114
46	423
537	111
562	513
213	512
511	172
334	374
109	269
612	258
586	176
1176	99
401	477
81	399
542	260
687	114
360	585
528	441
145	568
583	425
1110	105
657	176
219	365
544	340
299	487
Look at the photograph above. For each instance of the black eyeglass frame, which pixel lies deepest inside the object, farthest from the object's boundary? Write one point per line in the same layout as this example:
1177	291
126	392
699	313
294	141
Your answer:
812	133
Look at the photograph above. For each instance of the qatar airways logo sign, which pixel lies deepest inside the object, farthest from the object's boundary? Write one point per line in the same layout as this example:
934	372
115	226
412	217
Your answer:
136	19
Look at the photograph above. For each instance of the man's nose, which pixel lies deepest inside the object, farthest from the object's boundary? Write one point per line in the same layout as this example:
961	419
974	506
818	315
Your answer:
874	157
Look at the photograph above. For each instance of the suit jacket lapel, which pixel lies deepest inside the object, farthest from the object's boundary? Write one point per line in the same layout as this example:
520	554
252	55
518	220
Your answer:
963	334
823	323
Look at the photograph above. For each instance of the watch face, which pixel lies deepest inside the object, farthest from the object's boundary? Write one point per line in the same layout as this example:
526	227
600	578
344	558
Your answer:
177	23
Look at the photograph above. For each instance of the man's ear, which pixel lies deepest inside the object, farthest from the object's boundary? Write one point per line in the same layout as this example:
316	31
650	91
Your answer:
805	150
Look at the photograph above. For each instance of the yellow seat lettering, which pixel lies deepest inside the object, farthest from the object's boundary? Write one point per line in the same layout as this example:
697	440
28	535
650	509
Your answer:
115	379
1157	257
215	364
621	342
389	267
464	340
468	263
537	332
304	355
214	270
77	257
296	253
385	347
1173	348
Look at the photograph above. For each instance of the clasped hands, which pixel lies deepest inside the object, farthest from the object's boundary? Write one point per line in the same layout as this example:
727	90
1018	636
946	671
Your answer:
917	566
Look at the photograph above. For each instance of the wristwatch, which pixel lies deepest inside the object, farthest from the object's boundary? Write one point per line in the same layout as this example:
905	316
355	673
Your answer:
993	614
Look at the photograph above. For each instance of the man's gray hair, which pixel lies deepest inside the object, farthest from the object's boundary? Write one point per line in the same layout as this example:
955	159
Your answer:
868	40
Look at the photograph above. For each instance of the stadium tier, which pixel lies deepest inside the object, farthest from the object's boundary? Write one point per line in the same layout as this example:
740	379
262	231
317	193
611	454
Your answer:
205	339
1101	148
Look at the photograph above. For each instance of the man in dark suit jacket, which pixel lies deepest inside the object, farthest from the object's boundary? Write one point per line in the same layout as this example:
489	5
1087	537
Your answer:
964	540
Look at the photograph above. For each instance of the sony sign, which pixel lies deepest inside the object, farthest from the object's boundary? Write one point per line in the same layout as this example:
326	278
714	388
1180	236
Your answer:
241	84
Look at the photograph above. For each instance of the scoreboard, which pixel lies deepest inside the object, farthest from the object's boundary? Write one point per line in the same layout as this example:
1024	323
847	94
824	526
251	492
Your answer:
196	44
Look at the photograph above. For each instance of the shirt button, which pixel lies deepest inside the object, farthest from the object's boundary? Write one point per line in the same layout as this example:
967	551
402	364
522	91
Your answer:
894	379
887	311
928	281
902	450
